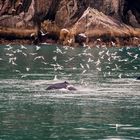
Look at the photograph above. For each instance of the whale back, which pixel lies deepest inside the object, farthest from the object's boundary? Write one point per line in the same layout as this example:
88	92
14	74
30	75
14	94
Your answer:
71	88
58	86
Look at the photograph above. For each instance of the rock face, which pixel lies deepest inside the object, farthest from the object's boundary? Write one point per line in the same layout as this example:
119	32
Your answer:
97	23
67	12
131	12
17	13
108	16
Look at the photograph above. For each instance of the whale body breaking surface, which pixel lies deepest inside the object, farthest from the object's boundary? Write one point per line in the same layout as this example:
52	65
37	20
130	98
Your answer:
62	85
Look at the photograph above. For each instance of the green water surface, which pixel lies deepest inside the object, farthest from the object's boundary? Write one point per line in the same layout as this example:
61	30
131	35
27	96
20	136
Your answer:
106	105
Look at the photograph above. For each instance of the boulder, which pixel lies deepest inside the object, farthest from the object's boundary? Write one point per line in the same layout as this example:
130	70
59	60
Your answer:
96	24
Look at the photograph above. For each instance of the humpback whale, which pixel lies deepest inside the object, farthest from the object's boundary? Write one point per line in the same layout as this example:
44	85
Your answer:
63	85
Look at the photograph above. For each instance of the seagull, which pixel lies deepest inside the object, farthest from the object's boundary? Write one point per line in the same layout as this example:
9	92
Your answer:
22	47
136	56
87	54
109	59
100	53
99	69
115	53
104	46
11	60
84	71
98	62
18	71
107	53
13	63
102	57
98	39
127	48
90	60
104	74
112	43
23	76
117	126
55	58
42	33
32	35
97	46
10	47
70	41
88	66
116	66
135	67
82	66
55	78
9	54
129	53
45	63
74	68
57	66
13	10
85	45
107	67
66	47
83	35
86	50
70	59
37	48
121	49
115	57
24	54
109	73
18	51
27	69
33	54
123	60
120	75
58	50
39	57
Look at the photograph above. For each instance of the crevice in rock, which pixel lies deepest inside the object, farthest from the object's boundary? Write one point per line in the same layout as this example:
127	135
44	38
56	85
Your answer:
131	8
52	10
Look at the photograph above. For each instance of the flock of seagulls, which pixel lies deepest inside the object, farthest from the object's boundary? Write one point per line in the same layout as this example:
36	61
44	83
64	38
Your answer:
103	59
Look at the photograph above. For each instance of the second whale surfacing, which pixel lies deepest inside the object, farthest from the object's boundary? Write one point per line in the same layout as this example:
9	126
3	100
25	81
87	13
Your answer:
62	85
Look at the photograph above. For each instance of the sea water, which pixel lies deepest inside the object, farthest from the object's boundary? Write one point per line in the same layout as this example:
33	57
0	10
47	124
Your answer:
106	105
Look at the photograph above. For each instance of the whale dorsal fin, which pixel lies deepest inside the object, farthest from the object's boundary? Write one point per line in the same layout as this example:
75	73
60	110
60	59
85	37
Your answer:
66	82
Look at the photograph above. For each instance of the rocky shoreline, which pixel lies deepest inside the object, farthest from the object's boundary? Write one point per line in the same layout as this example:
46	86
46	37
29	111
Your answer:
73	22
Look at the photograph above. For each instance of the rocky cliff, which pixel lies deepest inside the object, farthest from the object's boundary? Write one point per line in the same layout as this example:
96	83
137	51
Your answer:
102	18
